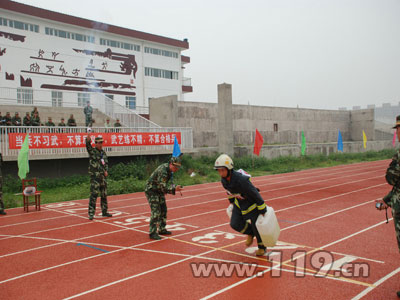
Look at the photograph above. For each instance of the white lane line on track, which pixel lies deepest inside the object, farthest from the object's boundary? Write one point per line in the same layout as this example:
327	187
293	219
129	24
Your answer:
376	284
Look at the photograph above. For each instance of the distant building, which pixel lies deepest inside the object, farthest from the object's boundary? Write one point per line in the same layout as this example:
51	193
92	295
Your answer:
62	60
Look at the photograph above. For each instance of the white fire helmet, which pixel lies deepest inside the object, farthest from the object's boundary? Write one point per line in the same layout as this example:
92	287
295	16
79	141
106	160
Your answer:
224	161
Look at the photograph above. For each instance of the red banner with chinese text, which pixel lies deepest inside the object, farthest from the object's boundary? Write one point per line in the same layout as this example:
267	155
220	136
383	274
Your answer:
76	140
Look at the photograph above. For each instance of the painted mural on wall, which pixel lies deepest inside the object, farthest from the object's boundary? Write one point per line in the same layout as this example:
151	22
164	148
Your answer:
55	67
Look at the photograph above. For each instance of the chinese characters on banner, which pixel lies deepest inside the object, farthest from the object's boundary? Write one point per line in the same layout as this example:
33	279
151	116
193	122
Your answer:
76	140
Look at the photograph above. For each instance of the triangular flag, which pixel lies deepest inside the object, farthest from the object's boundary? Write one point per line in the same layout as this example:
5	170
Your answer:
394	139
364	140
258	142
177	150
303	143
340	142
23	159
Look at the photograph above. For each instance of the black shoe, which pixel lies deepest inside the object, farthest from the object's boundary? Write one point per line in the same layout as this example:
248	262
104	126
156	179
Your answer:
107	215
155	236
90	217
3	212
165	232
398	294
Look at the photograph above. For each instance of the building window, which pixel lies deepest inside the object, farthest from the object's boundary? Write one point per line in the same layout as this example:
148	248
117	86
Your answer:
156	51
130	102
25	96
83	98
121	45
69	35
160	73
275	127
56	98
19	25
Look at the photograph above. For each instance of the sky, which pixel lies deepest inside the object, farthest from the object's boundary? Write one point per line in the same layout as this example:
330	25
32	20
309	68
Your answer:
307	53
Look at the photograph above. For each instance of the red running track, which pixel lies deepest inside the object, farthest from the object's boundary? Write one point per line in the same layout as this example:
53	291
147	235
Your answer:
333	245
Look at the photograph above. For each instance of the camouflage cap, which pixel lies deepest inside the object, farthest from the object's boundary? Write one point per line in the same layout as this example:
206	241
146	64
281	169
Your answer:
98	139
397	122
176	161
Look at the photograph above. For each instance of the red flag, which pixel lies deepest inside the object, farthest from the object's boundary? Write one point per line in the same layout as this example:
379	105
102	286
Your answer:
258	142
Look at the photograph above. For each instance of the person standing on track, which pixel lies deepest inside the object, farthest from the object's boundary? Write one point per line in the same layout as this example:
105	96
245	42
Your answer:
156	188
246	201
393	198
98	171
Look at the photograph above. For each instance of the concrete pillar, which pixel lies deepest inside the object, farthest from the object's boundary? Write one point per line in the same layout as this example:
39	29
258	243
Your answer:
164	111
225	119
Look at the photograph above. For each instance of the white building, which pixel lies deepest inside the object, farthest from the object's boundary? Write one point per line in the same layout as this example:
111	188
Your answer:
49	58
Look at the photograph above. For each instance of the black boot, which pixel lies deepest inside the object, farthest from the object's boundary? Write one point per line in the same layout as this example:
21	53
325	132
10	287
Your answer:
155	236
90	218
165	232
398	294
106	214
3	212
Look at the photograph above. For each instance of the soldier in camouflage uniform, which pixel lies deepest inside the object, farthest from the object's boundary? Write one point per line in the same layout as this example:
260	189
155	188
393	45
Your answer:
157	186
35	120
393	198
2	212
98	171
88	110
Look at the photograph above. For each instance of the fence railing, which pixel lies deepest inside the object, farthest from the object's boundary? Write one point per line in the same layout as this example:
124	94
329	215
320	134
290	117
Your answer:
36	97
56	153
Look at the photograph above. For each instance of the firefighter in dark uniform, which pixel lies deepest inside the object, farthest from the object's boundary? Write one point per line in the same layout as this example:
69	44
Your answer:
246	200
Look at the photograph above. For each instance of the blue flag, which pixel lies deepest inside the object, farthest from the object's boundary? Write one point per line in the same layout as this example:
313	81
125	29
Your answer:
177	150
340	142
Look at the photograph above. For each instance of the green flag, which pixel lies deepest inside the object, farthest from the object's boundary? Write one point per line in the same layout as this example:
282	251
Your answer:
23	159
303	143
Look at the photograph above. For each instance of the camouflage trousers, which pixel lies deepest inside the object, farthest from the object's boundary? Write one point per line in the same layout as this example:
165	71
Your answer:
98	185
1	194
396	215
158	208
88	120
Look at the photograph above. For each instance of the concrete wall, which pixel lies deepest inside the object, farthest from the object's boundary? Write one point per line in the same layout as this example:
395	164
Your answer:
203	118
362	120
212	122
164	111
318	125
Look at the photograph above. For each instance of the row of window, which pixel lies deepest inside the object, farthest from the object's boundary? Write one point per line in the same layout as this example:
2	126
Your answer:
69	35
160	73
117	44
85	38
156	51
19	25
25	96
